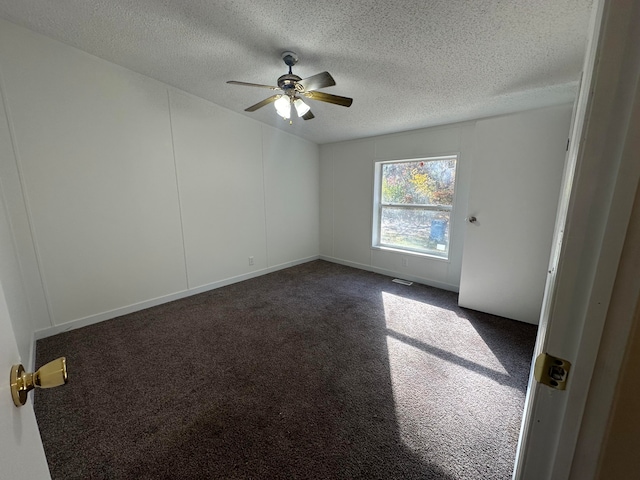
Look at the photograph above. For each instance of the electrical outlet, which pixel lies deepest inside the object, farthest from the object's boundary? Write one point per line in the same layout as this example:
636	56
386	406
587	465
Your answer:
405	262
250	260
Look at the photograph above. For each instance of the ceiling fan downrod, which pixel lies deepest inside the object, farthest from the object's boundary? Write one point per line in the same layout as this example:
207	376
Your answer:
290	59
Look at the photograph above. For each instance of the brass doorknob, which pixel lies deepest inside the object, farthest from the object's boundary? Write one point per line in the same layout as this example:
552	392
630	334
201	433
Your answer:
53	374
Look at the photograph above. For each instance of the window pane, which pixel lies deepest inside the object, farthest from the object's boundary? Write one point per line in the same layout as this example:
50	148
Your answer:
415	229
424	182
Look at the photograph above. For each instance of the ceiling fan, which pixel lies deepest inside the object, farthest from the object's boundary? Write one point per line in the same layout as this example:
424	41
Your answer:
293	89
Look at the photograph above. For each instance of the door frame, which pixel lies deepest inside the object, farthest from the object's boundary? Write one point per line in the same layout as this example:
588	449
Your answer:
601	180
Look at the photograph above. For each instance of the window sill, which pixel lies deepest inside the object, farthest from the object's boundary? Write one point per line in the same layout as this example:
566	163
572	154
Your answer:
411	253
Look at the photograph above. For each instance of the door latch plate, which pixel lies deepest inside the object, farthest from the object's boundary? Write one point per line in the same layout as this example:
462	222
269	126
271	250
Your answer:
551	371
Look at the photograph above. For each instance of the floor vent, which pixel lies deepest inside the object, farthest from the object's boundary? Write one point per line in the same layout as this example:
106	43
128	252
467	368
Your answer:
403	282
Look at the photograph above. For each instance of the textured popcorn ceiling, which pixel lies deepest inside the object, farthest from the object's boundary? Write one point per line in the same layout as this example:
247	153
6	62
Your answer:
407	64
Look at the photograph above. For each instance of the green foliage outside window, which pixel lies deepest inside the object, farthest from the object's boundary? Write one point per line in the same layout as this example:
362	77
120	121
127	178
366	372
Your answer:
416	198
419	182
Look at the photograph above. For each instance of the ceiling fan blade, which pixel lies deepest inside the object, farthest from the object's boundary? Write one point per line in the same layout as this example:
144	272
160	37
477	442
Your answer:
308	116
316	82
233	82
261	104
327	97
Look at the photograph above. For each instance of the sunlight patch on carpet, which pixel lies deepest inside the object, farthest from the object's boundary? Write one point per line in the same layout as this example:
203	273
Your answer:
440	333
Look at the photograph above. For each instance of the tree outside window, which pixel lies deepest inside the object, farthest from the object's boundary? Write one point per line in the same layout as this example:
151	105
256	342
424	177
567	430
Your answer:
414	203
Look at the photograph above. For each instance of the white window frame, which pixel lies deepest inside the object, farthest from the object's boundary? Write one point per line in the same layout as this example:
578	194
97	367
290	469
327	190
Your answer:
378	206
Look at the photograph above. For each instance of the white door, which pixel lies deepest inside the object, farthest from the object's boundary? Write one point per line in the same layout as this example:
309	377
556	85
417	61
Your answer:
602	181
21	453
517	171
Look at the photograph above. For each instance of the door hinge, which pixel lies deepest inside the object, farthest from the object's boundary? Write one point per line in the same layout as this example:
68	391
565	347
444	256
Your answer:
551	371
568	140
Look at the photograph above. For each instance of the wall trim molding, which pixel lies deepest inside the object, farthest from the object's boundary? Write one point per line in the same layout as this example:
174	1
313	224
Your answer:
118	312
391	273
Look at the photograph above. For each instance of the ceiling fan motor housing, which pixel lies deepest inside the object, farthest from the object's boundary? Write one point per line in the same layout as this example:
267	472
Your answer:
289	84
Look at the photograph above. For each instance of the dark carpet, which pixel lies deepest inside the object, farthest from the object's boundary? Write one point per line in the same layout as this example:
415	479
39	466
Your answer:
319	371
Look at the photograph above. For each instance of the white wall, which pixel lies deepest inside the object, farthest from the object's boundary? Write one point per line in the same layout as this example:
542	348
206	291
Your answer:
221	190
346	204
346	185
135	193
292	196
517	174
247	191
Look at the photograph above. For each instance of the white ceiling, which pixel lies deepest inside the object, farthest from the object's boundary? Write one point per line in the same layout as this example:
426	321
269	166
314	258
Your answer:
407	63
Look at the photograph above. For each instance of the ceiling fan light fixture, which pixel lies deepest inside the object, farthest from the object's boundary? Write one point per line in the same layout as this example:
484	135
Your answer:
291	87
283	107
301	107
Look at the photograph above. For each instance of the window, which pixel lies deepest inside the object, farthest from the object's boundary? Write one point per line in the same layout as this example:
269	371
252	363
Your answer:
413	203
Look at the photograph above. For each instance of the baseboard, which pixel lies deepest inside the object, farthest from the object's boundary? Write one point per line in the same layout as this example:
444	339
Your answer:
247	276
118	312
390	273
